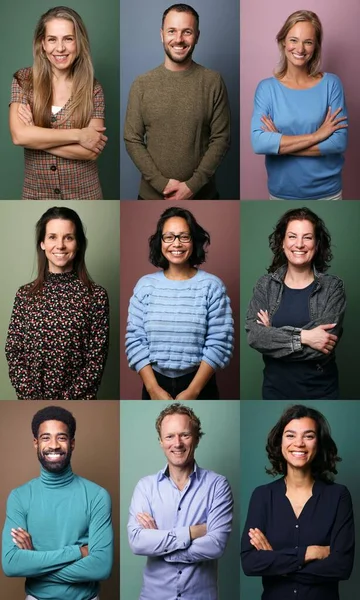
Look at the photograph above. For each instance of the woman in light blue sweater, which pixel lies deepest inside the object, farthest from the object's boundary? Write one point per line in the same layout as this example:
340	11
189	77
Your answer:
300	120
180	325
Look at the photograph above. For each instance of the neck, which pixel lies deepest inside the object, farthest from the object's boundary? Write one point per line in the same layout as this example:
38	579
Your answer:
299	478
180	271
174	66
299	276
180	475
297	75
56	480
59	77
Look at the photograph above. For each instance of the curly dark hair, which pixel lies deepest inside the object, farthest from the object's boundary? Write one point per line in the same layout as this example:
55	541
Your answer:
326	457
53	413
180	409
200	238
323	255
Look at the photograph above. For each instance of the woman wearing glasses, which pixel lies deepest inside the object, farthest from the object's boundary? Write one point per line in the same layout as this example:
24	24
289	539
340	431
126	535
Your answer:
180	326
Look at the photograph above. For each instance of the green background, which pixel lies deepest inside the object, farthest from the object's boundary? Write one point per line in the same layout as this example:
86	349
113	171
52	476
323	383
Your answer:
257	221
141	455
18	266
344	420
18	21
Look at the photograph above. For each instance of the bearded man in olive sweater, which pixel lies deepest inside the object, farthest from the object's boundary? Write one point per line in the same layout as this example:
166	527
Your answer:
177	127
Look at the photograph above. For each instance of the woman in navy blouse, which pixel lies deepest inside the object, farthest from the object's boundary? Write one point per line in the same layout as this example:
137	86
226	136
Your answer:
299	531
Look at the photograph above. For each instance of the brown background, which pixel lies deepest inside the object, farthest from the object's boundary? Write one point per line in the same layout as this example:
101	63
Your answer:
96	457
137	222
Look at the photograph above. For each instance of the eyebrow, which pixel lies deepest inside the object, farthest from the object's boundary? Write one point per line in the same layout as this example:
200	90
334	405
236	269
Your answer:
293	233
181	432
183	29
173	232
293	431
60	433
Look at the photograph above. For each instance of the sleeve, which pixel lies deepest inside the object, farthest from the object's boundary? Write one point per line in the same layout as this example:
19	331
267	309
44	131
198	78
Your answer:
152	542
136	343
266	562
338	565
263	142
134	132
99	102
219	341
280	342
29	563
88	379
219	139
337	142
212	545
98	564
15	350
17	91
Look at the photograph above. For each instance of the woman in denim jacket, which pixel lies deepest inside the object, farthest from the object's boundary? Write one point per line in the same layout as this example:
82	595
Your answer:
296	313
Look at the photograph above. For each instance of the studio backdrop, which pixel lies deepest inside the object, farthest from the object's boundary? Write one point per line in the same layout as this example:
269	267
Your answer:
258	220
18	26
343	418
218	450
18	266
259	57
137	222
218	49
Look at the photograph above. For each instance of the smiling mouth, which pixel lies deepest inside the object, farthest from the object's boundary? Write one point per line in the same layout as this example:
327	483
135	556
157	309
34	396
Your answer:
299	454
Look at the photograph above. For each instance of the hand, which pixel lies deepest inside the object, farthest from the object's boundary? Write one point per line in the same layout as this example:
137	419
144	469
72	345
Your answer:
197	531
25	115
84	551
146	521
177	190
93	139
258	540
316	553
330	125
268	124
22	539
187	394
158	393
319	339
264	318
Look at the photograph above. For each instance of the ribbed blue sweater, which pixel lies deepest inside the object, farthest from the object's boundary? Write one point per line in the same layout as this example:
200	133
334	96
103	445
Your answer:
174	325
62	512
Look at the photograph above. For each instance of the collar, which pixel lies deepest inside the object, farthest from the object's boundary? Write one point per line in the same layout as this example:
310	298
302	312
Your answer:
318	487
164	473
279	274
61	277
56	480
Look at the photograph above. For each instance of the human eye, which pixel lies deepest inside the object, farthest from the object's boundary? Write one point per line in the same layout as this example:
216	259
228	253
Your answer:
51	236
51	40
69	38
171	31
289	435
168	237
185	237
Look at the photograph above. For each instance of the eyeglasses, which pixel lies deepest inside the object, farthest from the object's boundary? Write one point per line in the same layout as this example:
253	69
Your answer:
169	238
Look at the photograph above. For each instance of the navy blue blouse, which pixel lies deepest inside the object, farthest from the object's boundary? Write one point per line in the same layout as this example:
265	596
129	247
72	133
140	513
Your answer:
326	520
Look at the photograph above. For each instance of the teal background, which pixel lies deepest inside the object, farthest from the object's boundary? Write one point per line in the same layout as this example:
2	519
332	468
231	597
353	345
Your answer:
343	417
141	454
257	222
18	266
18	21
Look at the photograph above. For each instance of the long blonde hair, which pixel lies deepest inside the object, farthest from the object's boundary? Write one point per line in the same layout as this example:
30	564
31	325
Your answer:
39	84
313	65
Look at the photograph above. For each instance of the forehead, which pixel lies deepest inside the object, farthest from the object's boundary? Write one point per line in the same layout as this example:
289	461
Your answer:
180	20
303	29
59	27
53	427
300	226
300	425
175	424
60	226
176	224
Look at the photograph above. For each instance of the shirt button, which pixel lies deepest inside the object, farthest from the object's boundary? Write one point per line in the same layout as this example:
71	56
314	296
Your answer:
179	508
53	167
296	547
180	572
297	526
53	119
295	591
57	191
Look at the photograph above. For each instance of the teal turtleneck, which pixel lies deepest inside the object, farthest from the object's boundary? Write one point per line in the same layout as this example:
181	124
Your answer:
61	512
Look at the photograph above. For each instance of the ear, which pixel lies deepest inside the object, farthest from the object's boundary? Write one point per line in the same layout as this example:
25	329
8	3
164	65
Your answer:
72	444
36	444
162	35
160	442
42	245
197	37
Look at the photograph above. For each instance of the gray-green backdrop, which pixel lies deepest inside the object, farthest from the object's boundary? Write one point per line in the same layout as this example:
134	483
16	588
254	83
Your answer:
18	266
344	417
257	222
141	454
18	21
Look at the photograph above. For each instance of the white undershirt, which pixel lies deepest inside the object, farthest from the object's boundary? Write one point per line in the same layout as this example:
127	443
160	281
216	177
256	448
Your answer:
55	109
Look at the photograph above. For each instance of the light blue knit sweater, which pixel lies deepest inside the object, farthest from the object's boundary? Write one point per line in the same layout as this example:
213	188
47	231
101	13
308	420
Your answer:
174	325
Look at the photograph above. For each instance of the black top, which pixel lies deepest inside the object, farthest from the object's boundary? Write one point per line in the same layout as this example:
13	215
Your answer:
293	380
326	520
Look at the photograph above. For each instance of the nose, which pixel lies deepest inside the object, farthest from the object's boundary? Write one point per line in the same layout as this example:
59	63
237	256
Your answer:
179	36
60	46
61	244
177	440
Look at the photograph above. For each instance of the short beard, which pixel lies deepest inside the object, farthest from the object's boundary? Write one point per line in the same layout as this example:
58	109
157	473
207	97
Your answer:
57	467
179	60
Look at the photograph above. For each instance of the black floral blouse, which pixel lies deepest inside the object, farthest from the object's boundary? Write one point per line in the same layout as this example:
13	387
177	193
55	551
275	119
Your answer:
58	339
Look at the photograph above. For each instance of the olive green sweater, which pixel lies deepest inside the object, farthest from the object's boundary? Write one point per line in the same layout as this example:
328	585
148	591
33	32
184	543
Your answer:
177	127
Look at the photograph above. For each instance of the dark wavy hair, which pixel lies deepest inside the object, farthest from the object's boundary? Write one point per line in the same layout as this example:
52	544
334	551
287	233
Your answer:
181	8
326	457
53	413
200	238
180	409
323	255
67	214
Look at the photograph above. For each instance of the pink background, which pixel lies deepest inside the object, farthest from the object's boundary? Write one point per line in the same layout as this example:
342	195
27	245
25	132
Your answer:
137	222
259	55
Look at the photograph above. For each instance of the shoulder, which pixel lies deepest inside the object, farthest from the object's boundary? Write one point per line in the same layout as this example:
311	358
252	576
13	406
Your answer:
148	77
335	492
208	74
98	88
264	492
147	282
264	282
330	281
23	492
266	85
94	491
23	74
23	291
99	293
333	79
210	279
213	478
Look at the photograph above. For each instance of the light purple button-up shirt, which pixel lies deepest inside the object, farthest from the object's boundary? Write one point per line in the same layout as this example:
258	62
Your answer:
178	568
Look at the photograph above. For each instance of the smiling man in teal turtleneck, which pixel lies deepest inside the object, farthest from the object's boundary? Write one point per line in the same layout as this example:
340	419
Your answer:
58	532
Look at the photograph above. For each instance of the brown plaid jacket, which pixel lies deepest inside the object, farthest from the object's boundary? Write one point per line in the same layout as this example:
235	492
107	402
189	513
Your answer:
49	177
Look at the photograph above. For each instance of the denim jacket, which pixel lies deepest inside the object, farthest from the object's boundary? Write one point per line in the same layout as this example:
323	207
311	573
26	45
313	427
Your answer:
327	305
